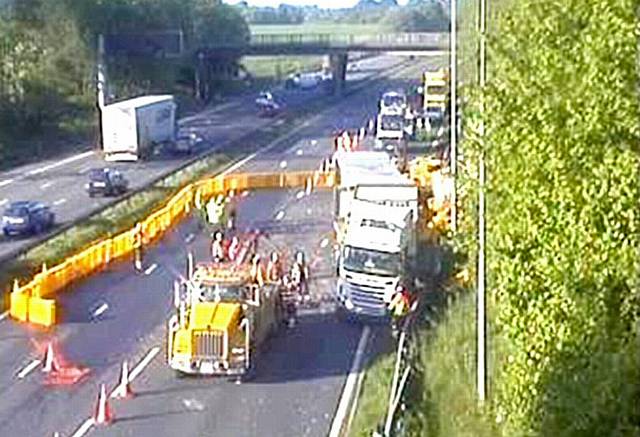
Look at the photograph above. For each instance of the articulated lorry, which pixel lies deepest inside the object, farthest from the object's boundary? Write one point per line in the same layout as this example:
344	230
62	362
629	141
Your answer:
132	128
375	220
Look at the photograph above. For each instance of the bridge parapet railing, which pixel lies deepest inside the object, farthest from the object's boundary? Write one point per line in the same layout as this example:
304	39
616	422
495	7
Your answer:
340	39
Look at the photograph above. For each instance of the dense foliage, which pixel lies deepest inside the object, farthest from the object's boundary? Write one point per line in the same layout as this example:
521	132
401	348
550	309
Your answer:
562	148
47	55
416	16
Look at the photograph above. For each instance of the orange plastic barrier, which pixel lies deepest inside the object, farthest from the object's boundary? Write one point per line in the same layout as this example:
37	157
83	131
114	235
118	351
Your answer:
27	303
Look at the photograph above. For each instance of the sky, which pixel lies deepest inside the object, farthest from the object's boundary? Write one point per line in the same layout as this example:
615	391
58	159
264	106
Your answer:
320	3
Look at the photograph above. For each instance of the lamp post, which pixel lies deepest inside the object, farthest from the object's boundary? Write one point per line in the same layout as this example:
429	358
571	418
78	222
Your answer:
481	304
453	115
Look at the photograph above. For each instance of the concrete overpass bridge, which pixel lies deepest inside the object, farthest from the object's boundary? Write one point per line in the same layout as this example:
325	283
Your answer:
336	46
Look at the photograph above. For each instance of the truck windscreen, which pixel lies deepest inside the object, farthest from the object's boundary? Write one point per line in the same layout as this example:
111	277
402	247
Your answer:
219	292
393	101
371	261
392	122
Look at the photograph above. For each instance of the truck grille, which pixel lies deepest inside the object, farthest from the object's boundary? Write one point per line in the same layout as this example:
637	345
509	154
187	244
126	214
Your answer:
367	296
209	344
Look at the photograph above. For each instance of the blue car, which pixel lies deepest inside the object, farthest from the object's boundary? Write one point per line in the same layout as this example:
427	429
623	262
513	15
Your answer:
26	217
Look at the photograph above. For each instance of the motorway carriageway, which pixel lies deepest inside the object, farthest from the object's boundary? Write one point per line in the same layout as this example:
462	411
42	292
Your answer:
119	315
60	183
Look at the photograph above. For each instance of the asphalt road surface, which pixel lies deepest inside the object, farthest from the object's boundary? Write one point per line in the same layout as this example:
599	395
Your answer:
119	315
60	183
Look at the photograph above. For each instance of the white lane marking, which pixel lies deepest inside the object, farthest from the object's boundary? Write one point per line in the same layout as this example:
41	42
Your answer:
63	162
101	309
5	182
245	193
4	315
46	185
280	215
59	202
3	201
239	164
151	269
193	404
314	142
28	369
144	363
309	211
299	152
83	170
283	164
324	243
189	238
349	385
300	195
84	428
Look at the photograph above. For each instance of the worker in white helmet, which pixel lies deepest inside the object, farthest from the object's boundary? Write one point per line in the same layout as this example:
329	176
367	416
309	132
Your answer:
300	274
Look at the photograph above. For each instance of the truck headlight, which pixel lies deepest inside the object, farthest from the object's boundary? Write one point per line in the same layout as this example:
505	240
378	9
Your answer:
348	304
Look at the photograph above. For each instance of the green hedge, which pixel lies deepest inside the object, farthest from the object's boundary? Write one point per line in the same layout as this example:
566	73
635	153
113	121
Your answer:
562	147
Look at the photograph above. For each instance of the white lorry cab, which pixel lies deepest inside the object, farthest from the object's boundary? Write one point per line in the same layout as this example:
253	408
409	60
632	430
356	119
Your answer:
374	257
132	128
393	102
390	130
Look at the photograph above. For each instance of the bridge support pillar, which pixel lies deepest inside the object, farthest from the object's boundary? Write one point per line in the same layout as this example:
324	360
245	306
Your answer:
338	64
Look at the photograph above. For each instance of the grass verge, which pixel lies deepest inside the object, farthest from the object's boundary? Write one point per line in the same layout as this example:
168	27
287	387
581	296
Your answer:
374	396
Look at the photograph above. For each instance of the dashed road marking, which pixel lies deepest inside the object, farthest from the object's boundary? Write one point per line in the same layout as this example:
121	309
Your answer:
309	211
324	243
84	428
29	368
59	202
300	195
299	152
46	185
3	201
283	164
314	142
101	309
193	405
6	182
189	238
151	269
144	363
280	215
4	315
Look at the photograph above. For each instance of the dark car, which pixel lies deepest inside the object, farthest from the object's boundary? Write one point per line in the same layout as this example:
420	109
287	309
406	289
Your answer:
106	182
26	217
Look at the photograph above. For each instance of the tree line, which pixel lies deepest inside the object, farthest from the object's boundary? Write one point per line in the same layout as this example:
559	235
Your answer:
416	16
562	152
48	53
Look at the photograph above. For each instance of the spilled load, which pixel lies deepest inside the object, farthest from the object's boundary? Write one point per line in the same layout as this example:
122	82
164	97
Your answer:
223	317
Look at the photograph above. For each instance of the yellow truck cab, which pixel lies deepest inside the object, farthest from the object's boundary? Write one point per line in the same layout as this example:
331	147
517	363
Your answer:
221	321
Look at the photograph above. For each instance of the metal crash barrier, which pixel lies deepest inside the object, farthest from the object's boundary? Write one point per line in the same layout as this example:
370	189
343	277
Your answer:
34	301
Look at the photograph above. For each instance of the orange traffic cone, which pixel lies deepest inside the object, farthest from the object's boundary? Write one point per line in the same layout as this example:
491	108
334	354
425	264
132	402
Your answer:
102	414
123	391
50	362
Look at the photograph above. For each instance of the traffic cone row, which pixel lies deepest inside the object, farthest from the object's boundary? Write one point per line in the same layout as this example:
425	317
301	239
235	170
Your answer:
59	372
123	391
102	413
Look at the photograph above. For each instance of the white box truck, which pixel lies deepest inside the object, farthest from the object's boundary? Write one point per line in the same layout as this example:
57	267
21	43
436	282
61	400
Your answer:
132	128
374	258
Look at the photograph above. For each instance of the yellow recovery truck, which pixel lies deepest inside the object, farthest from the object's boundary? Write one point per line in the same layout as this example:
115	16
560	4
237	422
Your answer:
221	321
